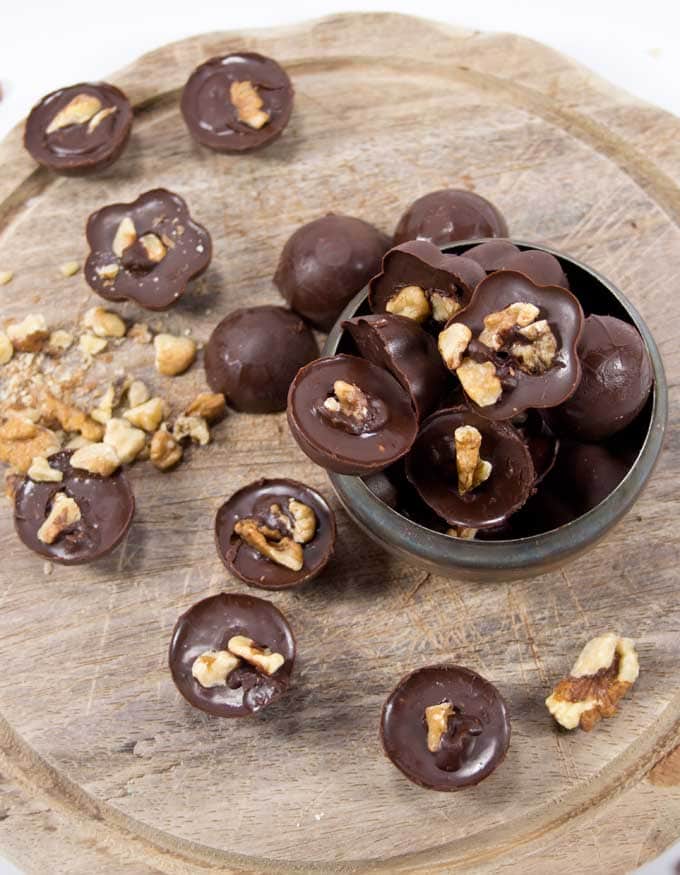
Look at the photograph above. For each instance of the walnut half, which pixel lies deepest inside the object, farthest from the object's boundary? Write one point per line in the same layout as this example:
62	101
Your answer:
472	470
605	669
270	543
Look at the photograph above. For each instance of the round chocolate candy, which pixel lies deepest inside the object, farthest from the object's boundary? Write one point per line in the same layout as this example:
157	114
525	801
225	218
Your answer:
615	384
275	534
448	215
325	263
238	102
350	416
254	353
80	129
445	727
78	519
145	251
514	346
407	351
541	267
473	472
231	655
419	282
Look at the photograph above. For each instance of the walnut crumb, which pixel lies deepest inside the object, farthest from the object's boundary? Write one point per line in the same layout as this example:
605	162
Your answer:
99	458
139	332
248	103
30	334
480	381
210	405
41	472
173	354
147	415
165	452
64	513
453	342
194	427
58	342
104	323
260	657
6	348
6	276
270	543
437	722
91	345
127	441
411	302
472	470
213	667
69	268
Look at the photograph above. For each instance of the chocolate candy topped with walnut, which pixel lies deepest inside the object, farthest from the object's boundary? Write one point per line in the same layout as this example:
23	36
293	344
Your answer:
237	102
80	129
275	534
146	251
231	655
514	347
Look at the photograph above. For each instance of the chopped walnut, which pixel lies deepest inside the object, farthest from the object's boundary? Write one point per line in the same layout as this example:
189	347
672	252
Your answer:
479	381
125	236
58	342
64	513
76	442
21	440
271	544
148	415
443	307
194	427
260	657
30	334
70	418
453	342
128	442
76	112
605	669
91	345
209	405
536	356
41	472
165	452
69	268
6	276
437	721
471	469
137	393
349	400
104	323
99	117
108	271
212	668
248	103
304	521
497	325
411	301
6	348
98	458
139	332
154	247
173	354
104	409
465	533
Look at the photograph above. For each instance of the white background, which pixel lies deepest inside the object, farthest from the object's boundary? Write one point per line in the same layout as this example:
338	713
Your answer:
45	45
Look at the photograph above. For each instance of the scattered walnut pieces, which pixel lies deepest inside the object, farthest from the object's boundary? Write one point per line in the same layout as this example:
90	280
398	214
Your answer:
58	342
194	427
148	415
139	332
6	276
64	513
437	721
605	669
248	103
210	405
349	400
21	440
453	342
270	543
479	381
472	470
91	345
173	354
69	268
411	301
137	393
70	418
6	348
127	441
99	458
41	472
30	334
212	668
260	657
165	451
76	112
104	323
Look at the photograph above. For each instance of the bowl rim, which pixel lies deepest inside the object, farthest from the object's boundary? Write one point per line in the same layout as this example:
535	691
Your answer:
410	538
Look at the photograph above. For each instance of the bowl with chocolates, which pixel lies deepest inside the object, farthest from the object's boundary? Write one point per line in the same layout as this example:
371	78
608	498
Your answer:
487	410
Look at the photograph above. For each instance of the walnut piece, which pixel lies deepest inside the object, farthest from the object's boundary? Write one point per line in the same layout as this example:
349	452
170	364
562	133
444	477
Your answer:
173	354
453	342
194	427
65	512
128	442
497	325
76	112
126	235
536	356
139	332
270	543
6	348
137	393
443	307
99	117
471	469
30	334
463	532
479	381
104	409
58	341
437	721
154	247
349	400
6	276
99	458
21	440
212	668
104	323
148	415
108	271
304	521
41	472
260	657
69	268
91	345
165	452
248	104
209	405
605	669
411	301
70	418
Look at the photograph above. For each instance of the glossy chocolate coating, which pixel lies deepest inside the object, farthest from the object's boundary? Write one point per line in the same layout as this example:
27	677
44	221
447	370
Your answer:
615	384
106	504
325	263
153	285
338	443
493	255
212	118
77	149
255	500
448	215
522	390
541	267
418	263
208	625
431	468
542	443
407	351
254	353
477	736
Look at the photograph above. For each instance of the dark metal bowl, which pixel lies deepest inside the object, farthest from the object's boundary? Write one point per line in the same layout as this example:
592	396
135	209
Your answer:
520	557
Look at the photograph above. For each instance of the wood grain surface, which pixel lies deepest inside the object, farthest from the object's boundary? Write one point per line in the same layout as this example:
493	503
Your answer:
104	768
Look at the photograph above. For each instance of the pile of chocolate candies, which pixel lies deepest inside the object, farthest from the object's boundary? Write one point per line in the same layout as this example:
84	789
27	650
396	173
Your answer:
471	393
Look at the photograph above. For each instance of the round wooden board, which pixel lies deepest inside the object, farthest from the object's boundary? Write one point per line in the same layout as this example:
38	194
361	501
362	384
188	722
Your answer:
105	768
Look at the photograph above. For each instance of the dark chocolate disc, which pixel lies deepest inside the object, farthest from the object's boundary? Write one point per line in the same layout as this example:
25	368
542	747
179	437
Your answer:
106	506
268	504
365	428
209	625
448	215
237	102
507	370
254	353
325	263
407	351
443	284
80	129
432	467
146	251
476	731
615	384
